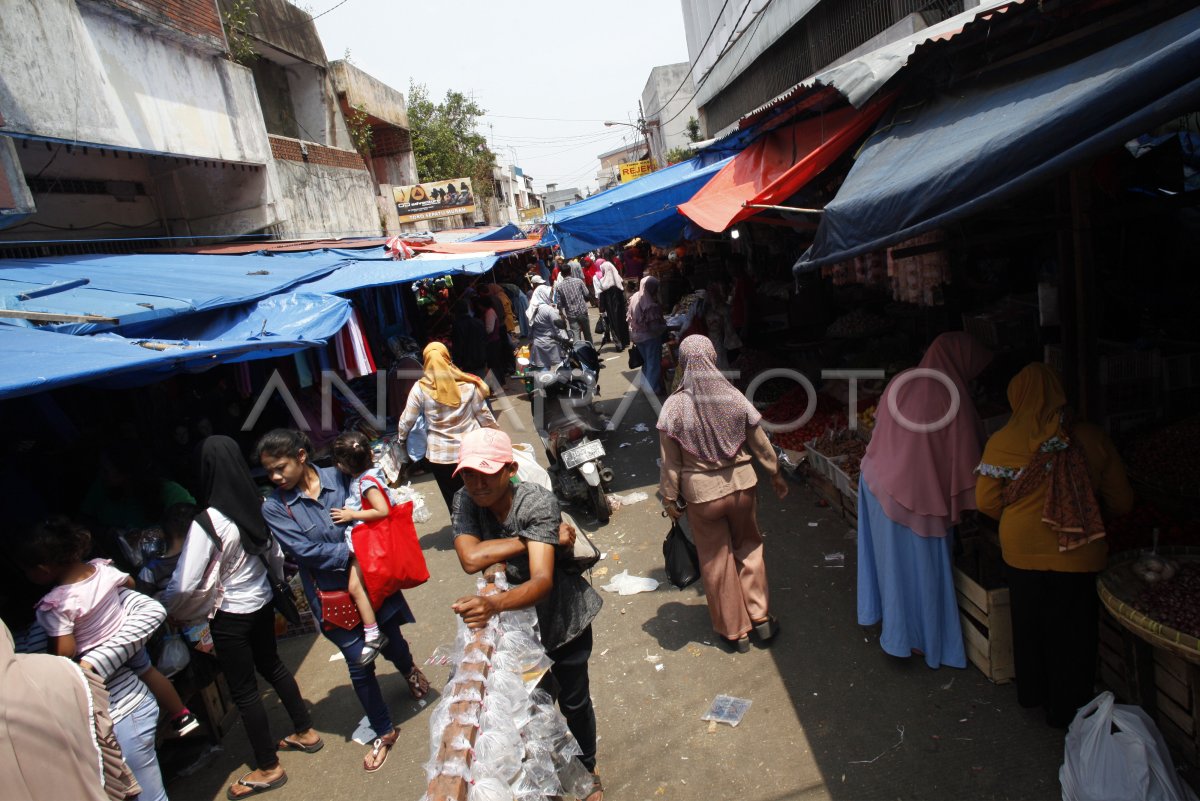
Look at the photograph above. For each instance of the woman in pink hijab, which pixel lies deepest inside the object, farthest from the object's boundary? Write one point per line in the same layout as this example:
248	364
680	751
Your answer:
708	435
917	480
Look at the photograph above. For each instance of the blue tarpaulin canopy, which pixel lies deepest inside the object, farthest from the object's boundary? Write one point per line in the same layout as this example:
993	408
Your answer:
34	360
967	150
368	273
646	207
149	288
509	231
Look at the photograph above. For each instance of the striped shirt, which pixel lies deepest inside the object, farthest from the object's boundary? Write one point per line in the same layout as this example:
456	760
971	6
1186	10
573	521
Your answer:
447	424
571	296
126	692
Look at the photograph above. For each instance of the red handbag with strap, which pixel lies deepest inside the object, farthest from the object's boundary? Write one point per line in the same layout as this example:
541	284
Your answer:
338	609
388	551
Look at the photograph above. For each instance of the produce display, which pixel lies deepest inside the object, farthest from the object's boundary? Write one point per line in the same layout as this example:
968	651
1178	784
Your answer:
857	324
1134	531
1173	602
834	444
791	405
1166	457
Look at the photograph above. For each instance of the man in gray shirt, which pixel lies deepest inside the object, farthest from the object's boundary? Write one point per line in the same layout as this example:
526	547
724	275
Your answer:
520	526
570	295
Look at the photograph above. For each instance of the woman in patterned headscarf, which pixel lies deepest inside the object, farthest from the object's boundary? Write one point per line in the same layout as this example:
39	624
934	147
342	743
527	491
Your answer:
1045	477
708	435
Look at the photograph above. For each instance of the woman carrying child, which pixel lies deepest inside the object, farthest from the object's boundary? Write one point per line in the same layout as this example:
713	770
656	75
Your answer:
84	608
299	514
236	594
366	502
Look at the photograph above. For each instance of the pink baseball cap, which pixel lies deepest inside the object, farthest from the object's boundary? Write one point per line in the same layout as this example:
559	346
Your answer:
484	449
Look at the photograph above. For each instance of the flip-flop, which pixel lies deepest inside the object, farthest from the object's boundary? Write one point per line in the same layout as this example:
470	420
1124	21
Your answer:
383	744
418	685
288	744
255	787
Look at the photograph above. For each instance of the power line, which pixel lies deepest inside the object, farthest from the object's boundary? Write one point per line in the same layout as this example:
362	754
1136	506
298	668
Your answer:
749	33
699	53
546	119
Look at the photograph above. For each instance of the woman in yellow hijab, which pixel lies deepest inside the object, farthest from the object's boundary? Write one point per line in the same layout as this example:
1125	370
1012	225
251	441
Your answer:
443	406
1046	478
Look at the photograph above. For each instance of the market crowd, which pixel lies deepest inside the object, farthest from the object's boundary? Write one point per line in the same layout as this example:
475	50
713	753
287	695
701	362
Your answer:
215	566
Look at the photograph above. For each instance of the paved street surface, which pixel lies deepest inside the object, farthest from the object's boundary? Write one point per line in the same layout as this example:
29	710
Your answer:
832	715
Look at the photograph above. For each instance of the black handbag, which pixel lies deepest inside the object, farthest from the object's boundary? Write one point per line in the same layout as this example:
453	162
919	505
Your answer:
635	358
679	555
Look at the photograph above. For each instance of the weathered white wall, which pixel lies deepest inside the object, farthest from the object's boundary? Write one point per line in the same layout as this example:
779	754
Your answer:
671	109
374	96
73	73
10	165
319	201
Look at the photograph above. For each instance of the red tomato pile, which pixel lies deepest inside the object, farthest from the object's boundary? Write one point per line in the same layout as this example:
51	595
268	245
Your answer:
791	406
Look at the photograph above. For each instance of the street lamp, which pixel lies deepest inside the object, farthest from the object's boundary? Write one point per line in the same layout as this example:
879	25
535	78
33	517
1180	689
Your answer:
642	127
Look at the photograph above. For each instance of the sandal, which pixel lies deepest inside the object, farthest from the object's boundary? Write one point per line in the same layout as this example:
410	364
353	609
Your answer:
767	629
597	793
418	685
371	649
255	787
740	646
288	744
381	745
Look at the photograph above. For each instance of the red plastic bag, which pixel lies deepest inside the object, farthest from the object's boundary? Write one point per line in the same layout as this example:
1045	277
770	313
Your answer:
389	554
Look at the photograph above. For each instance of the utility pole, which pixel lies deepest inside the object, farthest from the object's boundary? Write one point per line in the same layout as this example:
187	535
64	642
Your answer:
645	133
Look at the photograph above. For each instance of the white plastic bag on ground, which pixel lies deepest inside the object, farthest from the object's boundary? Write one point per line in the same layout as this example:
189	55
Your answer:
625	584
1115	752
528	469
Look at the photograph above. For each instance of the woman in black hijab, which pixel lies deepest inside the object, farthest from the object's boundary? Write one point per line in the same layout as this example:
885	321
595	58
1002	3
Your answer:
229	586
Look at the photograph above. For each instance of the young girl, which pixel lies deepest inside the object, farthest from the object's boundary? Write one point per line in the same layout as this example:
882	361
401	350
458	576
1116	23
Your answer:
84	608
365	503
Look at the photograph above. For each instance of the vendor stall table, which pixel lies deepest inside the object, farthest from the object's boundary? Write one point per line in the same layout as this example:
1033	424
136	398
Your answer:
1146	662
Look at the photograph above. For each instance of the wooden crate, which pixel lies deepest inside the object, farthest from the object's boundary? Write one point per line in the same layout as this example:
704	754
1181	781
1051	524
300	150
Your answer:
984	610
1176	685
1160	682
217	707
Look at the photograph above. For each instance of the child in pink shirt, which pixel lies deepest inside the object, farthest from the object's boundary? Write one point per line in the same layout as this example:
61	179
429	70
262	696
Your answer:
84	608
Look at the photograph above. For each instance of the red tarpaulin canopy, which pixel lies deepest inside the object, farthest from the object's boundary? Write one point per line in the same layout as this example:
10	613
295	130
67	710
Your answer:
778	164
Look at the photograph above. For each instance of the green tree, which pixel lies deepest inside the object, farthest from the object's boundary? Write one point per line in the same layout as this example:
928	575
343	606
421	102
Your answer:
693	129
678	154
446	142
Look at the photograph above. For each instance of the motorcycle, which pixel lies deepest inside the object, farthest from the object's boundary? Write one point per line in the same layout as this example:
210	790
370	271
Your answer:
569	427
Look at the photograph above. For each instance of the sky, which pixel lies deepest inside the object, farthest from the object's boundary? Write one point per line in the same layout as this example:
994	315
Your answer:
548	72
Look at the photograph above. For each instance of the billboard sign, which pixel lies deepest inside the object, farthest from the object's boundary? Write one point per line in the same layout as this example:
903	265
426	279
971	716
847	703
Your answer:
530	214
434	199
636	169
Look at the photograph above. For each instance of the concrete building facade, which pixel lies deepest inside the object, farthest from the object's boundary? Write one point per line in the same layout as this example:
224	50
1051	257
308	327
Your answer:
609	174
668	103
555	198
127	119
746	52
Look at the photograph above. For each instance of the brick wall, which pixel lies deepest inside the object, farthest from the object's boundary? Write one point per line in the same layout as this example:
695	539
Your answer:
289	150
197	18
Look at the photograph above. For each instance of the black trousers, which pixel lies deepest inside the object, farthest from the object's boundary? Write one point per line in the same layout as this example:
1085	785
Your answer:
1054	619
447	482
613	302
574	692
244	643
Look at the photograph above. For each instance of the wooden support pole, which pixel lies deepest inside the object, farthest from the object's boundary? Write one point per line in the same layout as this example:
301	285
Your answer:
48	317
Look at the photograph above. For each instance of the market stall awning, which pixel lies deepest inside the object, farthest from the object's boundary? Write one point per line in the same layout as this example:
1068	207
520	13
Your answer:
478	247
367	273
965	151
144	289
34	361
509	231
778	165
646	207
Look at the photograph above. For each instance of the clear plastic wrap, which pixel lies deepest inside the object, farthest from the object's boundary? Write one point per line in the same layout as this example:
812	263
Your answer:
499	753
490	789
576	780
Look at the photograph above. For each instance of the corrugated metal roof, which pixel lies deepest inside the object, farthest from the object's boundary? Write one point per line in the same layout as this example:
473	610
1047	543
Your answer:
860	78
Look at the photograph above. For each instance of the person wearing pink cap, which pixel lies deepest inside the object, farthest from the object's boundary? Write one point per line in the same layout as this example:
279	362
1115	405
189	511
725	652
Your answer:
498	522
